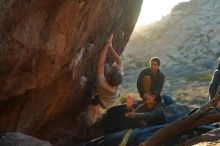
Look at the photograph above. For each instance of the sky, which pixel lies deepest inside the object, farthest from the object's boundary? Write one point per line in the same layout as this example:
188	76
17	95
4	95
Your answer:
153	10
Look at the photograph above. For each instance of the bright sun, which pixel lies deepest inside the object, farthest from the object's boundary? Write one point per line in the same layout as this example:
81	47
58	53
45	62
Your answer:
153	10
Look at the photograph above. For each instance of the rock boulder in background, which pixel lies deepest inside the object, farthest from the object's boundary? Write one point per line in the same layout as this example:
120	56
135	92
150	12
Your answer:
187	41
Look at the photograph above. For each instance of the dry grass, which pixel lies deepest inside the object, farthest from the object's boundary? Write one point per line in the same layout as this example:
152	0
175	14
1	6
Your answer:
192	95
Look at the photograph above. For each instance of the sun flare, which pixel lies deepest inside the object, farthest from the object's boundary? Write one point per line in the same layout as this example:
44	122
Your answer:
153	10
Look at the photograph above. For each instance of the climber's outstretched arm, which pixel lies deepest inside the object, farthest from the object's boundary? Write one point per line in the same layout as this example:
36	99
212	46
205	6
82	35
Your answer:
115	54
102	58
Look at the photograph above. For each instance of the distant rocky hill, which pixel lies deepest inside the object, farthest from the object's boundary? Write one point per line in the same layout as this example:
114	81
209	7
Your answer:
187	41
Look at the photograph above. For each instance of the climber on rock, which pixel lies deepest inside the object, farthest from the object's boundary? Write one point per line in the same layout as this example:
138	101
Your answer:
108	78
108	84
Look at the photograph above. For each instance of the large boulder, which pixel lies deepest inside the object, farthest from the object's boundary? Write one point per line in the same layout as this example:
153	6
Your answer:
48	58
19	139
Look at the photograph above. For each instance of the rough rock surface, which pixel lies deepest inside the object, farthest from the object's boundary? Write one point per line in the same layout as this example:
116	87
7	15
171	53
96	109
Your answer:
186	40
19	139
211	138
48	58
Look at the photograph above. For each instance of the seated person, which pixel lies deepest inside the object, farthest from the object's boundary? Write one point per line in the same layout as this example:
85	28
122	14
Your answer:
148	113
151	80
215	82
119	118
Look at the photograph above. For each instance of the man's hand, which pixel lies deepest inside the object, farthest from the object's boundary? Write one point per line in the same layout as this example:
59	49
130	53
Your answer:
130	114
109	42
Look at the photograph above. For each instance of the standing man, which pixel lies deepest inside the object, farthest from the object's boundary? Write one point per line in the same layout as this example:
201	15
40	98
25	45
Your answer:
151	80
215	82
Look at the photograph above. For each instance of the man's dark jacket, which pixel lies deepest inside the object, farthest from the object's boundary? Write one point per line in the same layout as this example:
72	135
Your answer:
157	81
215	82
